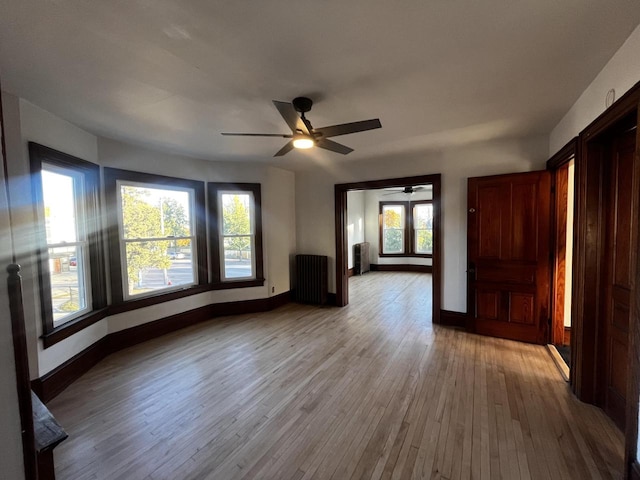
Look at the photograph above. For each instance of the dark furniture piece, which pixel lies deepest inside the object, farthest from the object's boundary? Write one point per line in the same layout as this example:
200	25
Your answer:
48	434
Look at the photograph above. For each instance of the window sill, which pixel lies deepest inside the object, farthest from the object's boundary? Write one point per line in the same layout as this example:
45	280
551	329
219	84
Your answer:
160	297
227	284
74	326
415	255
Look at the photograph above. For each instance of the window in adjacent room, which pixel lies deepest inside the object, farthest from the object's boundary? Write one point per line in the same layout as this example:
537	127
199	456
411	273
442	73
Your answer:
393	228
422	227
406	228
236	233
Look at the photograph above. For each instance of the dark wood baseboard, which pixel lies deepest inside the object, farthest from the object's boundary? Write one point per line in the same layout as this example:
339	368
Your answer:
401	268
53	383
331	299
350	273
567	336
453	319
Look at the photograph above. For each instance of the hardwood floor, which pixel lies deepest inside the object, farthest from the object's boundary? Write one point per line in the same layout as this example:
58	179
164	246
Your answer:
372	390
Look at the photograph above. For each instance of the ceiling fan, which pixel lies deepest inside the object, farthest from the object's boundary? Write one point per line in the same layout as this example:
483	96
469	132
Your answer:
303	135
408	190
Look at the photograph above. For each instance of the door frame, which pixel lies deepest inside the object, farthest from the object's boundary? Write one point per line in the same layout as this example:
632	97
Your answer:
556	165
342	274
588	244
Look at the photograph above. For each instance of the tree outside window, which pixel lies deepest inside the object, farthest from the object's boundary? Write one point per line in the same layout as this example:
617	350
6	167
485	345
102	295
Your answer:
393	229
406	228
156	237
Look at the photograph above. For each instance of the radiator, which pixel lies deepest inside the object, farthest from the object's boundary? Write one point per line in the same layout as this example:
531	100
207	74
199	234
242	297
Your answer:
312	283
361	258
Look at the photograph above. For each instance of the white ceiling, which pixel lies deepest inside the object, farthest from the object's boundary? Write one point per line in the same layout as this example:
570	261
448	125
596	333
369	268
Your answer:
175	73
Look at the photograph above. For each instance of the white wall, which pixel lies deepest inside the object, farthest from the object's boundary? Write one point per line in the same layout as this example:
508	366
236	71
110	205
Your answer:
315	202
11	463
35	124
372	225
621	73
355	222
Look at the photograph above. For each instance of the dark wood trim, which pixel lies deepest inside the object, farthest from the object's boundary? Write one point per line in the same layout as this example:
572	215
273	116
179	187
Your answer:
342	280
591	170
39	154
111	176
399	267
74	326
68	329
332	300
53	383
409	231
564	155
350	273
622	107
453	319
406	248
214	238
405	255
16	311
633	378
566	340
340	197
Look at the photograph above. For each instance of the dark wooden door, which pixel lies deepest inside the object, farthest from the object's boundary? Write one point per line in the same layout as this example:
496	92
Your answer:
618	272
508	242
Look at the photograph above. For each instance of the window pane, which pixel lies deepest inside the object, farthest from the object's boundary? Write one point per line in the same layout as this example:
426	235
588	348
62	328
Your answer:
154	212
58	191
393	241
66	274
423	224
238	262
160	264
424	241
392	216
423	216
236	214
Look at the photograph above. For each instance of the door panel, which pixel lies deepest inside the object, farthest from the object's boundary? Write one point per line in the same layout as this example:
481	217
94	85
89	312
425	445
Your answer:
508	253
618	255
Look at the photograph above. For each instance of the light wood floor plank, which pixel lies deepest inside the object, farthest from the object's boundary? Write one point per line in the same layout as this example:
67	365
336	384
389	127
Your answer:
369	391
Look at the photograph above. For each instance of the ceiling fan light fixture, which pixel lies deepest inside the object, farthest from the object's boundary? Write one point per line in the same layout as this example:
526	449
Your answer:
303	142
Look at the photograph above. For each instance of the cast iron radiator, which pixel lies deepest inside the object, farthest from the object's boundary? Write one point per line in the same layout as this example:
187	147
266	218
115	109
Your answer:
361	258
312	284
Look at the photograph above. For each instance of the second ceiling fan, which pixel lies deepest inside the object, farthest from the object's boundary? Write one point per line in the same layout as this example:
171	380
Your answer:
303	135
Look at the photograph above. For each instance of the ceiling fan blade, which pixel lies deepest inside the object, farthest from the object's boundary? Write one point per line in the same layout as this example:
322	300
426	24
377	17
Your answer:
284	150
291	117
333	146
280	135
346	128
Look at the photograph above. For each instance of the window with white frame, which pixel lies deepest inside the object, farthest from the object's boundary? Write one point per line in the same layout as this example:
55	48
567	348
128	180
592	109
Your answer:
393	228
406	228
236	233
157	234
423	227
68	242
157	237
66	234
